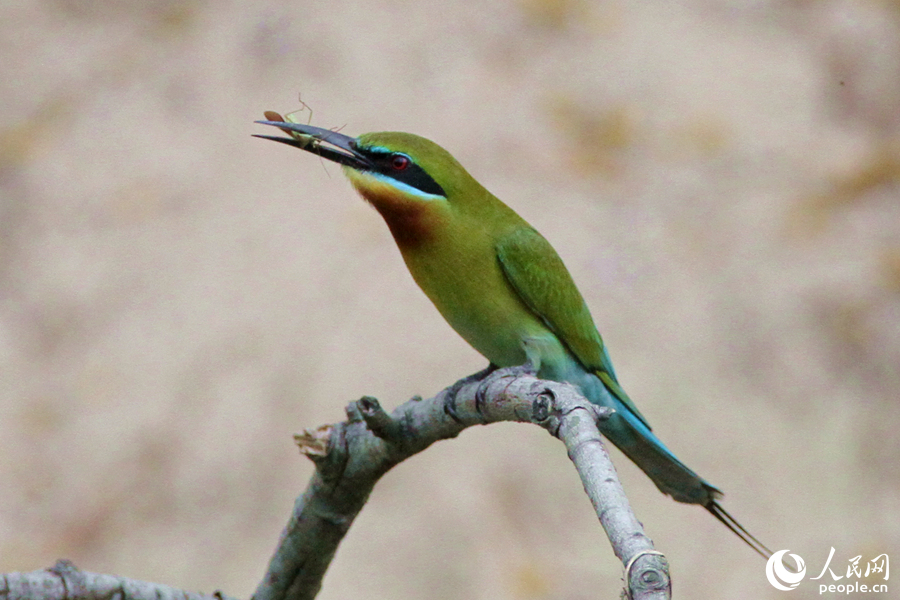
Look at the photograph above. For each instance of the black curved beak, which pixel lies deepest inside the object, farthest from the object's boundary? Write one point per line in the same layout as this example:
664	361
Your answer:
326	143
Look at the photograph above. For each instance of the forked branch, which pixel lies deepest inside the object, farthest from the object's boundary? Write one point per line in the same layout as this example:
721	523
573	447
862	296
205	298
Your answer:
351	456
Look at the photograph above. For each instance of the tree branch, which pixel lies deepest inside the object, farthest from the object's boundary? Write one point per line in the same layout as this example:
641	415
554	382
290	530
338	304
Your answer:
64	581
351	456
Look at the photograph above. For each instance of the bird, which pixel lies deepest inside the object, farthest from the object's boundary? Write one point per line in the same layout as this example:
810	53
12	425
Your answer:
499	283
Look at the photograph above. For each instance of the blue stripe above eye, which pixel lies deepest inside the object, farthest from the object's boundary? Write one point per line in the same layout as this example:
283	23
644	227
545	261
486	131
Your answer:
378	150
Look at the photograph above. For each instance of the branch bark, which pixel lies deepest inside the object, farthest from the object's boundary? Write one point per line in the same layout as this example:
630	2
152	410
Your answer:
64	581
351	456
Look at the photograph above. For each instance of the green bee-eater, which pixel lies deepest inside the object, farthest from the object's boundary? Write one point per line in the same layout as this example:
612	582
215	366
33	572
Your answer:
498	283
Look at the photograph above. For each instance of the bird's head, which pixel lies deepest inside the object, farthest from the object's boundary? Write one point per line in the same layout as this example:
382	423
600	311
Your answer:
417	186
389	169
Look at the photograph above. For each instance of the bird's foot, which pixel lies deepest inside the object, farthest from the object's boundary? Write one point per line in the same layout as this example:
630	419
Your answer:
453	390
526	368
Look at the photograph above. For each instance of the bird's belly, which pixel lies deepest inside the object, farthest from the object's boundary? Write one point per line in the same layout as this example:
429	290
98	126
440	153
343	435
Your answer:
511	339
503	330
484	311
473	295
497	330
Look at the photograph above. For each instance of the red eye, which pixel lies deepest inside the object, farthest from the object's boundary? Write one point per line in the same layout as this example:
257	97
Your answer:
399	162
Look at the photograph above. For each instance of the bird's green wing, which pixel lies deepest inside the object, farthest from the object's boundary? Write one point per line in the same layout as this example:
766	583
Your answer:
537	274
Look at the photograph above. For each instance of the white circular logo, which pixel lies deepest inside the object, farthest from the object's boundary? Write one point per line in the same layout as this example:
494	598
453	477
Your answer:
777	573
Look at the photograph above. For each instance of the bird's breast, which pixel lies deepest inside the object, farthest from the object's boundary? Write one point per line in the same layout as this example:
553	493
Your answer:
458	270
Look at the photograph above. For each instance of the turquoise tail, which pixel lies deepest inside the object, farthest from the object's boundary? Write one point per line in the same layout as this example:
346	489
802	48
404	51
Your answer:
635	439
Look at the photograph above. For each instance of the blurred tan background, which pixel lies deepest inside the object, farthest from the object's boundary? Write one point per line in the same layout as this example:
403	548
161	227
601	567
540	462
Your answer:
177	298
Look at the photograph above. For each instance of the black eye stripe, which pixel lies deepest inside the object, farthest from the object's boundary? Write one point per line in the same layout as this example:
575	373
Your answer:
416	177
413	175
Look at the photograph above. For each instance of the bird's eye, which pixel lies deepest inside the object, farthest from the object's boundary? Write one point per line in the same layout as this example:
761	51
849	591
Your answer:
399	162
